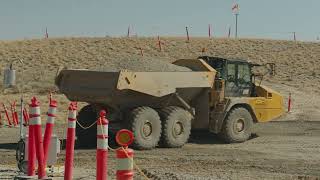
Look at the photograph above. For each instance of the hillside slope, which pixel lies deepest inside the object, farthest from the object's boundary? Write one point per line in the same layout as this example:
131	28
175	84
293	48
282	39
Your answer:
298	63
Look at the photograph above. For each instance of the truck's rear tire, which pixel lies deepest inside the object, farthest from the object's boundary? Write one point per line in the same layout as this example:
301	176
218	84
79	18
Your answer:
176	126
146	126
237	126
86	138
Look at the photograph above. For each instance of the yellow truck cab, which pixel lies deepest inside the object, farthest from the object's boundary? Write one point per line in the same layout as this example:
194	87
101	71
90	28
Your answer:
237	100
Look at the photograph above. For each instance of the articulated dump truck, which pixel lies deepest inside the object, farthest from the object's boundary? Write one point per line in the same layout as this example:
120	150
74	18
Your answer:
161	108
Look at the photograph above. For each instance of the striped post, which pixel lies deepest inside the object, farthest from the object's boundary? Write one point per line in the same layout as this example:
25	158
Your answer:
7	114
102	146
15	113
124	164
68	165
31	150
36	122
1	124
13	116
51	115
25	116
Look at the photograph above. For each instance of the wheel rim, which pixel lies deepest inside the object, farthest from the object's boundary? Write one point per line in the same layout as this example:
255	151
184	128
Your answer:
239	125
147	129
177	129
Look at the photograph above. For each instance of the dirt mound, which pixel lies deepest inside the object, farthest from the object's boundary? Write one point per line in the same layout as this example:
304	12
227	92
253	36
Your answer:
297	62
138	63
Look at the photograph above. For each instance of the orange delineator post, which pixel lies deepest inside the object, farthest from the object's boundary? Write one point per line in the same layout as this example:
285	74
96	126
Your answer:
49	128
68	165
13	116
289	103
7	114
1	124
36	122
159	43
124	164
26	116
15	112
102	147
31	150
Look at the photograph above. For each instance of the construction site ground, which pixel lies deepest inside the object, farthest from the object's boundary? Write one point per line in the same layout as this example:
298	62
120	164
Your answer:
288	148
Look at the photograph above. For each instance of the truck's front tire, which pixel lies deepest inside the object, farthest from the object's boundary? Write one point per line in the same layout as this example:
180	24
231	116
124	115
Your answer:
176	126
146	126
86	138
237	126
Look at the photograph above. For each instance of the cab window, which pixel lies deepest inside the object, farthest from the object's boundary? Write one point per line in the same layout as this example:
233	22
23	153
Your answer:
231	73
244	77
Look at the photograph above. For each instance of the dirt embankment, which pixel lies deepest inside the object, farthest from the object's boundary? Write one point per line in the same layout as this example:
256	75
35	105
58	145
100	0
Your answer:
298	63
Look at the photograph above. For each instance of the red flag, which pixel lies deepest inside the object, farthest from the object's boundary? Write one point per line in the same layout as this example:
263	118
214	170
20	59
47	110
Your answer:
235	8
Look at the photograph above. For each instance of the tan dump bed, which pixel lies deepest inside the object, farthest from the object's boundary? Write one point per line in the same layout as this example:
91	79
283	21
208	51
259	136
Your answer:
118	88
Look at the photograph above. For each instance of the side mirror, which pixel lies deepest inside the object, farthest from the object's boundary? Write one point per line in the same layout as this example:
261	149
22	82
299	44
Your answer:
272	68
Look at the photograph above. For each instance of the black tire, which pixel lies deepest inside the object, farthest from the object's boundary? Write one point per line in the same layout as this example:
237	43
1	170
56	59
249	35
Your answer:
86	138
237	126
23	166
146	126
176	126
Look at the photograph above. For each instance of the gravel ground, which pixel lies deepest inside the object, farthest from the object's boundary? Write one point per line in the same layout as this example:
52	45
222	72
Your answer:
288	148
280	150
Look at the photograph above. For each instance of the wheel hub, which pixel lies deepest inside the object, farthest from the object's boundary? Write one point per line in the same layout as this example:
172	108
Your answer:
147	129
239	126
177	129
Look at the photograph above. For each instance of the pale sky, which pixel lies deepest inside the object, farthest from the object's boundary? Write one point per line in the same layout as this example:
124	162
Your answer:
275	19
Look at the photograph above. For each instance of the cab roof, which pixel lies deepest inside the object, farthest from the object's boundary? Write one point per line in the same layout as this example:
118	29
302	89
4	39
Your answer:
213	58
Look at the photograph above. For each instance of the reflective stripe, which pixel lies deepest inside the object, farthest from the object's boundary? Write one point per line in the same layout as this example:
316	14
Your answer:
35	121
52	110
50	120
35	110
102	130
125	164
31	121
72	124
72	114
102	143
71	119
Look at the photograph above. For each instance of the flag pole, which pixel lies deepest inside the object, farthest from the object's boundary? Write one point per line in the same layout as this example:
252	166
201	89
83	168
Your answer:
236	33
235	9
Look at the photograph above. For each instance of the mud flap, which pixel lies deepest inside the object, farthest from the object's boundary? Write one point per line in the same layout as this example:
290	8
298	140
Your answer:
202	109
217	116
